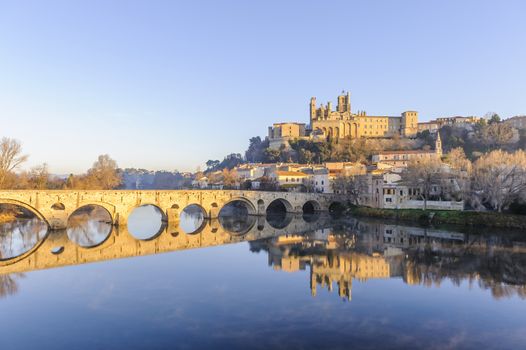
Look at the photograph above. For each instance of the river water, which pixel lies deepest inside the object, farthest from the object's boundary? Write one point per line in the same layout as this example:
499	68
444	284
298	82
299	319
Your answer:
286	282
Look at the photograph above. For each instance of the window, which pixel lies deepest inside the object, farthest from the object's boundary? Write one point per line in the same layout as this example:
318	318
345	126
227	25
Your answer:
389	200
322	182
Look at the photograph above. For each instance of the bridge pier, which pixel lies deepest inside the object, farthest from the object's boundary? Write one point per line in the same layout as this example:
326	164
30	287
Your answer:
120	219
172	216
212	213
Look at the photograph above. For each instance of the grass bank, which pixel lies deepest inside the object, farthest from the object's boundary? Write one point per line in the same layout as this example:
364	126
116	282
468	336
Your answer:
444	217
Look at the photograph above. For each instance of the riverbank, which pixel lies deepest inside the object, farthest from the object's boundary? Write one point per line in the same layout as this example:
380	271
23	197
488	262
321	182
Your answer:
7	217
444	217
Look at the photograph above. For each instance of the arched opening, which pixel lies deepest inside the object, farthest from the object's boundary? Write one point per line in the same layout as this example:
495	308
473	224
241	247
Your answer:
237	216
311	211
20	231
89	226
146	222
336	209
175	206
58	206
57	250
310	207
192	219
278	213
279	205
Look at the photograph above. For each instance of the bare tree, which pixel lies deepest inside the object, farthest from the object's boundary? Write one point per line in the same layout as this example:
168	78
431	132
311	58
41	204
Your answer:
496	135
103	174
350	185
424	173
230	178
39	177
10	158
499	178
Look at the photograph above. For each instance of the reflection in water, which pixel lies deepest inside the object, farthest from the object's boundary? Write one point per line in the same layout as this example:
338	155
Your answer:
279	220
20	236
335	253
228	289
145	222
8	284
235	217
89	226
191	219
420	256
311	216
237	224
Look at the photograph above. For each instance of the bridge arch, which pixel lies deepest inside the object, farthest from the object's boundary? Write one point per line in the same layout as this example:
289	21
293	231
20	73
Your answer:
248	205
200	213
32	209
279	204
88	229
311	206
150	231
237	216
110	208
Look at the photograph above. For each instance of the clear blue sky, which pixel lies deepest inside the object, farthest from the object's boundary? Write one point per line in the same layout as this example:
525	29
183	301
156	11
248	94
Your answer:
168	85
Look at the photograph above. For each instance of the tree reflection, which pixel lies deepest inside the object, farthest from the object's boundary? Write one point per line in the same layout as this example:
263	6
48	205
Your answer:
89	226
8	284
421	256
20	236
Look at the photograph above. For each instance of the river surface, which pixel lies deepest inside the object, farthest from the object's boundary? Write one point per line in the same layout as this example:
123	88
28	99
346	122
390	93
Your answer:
242	282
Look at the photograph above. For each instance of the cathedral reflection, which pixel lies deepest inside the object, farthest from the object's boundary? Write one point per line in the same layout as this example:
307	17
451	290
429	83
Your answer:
420	256
335	253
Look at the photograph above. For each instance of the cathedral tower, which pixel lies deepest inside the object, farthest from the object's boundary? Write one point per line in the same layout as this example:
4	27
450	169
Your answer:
438	145
312	109
344	102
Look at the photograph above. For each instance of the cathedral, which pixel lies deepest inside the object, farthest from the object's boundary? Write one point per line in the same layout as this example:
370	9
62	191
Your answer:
342	123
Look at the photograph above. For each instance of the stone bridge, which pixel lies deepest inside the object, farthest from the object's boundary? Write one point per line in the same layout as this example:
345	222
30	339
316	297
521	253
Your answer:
56	206
56	249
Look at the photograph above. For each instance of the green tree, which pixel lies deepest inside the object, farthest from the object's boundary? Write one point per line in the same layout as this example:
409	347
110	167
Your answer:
212	164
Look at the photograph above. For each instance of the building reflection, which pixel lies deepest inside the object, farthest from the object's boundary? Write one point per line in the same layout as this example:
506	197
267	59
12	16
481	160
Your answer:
420	256
335	253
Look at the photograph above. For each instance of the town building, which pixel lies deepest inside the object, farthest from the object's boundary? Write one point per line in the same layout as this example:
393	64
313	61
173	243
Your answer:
250	171
457	121
289	180
281	133
404	157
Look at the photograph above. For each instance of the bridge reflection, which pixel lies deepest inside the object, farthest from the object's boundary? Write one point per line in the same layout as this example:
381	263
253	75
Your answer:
334	253
25	246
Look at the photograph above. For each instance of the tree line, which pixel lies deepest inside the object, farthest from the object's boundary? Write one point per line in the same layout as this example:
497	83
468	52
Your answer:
103	175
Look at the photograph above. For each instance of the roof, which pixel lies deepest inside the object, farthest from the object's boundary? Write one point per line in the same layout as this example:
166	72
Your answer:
284	123
405	152
290	173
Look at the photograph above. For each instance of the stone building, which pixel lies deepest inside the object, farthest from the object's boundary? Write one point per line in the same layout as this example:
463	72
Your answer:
342	123
280	133
403	157
458	121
